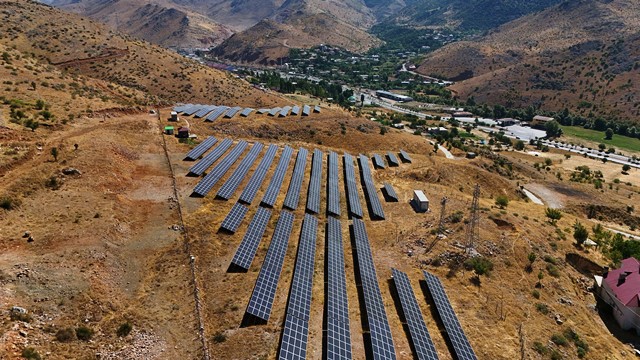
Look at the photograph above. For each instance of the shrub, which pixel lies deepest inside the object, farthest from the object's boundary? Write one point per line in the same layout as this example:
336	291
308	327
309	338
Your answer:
219	337
535	294
555	355
84	333
65	335
553	270
30	353
124	329
8	203
558	339
20	316
542	308
502	201
480	265
540	348
550	259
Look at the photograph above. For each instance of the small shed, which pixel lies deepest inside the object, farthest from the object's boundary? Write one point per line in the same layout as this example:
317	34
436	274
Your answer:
183	132
168	130
420	200
174	116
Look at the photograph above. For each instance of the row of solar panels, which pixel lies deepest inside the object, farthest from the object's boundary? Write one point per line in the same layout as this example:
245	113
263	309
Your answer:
337	325
217	172
213	112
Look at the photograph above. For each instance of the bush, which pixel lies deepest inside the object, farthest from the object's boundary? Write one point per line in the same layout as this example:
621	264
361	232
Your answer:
542	308
124	329
20	316
555	355
553	270
65	335
558	339
550	259
536	294
219	337
30	353
84	333
540	348
502	201
480	265
8	203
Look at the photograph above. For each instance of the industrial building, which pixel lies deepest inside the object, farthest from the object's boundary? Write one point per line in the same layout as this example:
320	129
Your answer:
392	96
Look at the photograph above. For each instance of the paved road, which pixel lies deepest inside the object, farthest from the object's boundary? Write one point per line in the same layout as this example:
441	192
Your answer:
616	158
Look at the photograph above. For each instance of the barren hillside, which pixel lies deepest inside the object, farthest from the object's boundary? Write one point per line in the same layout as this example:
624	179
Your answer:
584	58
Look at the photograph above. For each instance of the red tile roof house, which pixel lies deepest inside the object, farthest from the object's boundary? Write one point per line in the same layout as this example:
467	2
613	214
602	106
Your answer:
620	289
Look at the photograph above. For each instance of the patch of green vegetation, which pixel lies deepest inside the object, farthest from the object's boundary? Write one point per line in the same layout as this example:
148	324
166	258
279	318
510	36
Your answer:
617	141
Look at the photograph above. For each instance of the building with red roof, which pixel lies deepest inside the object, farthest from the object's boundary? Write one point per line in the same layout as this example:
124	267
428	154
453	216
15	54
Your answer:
620	289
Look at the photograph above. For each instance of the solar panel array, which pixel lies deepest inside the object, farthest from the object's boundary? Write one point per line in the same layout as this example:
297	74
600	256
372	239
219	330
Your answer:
418	333
381	339
204	111
231	112
316	109
296	328
192	110
218	171
234	217
391	193
313	193
246	112
405	157
216	113
257	178
333	193
295	110
306	110
251	240
293	194
274	111
230	186
201	166
393	160
182	108
263	111
202	148
353	200
338	332
273	190
285	111
264	291
378	162
370	188
457	337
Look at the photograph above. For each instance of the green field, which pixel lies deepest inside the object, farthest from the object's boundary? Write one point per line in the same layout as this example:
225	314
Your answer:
618	141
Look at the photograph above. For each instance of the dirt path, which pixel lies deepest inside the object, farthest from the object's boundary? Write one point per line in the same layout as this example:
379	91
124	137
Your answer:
552	198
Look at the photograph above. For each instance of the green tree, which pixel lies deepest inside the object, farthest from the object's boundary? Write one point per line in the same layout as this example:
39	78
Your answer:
553	214
602	147
54	153
626	167
580	233
608	134
519	145
553	129
480	266
502	201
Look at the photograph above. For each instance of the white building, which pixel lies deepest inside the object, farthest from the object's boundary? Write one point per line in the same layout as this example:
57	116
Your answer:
620	289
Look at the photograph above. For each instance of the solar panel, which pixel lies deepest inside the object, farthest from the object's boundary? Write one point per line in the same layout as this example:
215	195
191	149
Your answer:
418	333
316	109
313	193
405	157
353	199
333	192
230	186
192	110
338	332
204	111
215	114
381	339
370	188
391	193
201	166
273	190
257	178
234	217
264	291
285	111
295	110
293	194
306	110
274	111
457	337
378	162
182	108
231	112
246	112
251	240
202	148
296	328
263	111
393	160
218	171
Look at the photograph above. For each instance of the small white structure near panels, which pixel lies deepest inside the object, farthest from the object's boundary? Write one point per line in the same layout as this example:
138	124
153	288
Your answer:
420	200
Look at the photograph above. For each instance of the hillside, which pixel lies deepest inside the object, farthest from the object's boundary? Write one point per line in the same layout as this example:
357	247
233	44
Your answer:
586	58
85	47
474	15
